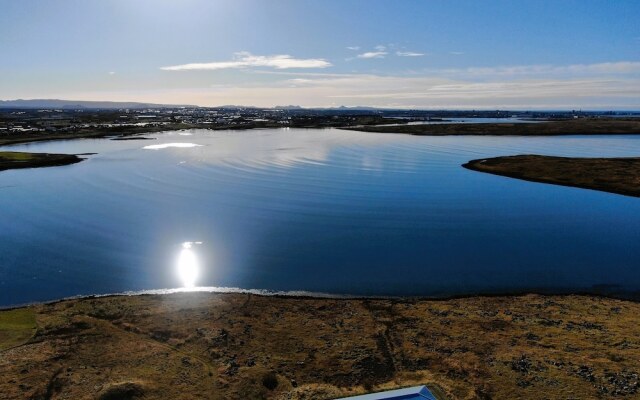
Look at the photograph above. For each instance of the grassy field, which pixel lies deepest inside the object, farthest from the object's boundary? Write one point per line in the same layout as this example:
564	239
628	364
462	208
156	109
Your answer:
243	346
16	327
615	175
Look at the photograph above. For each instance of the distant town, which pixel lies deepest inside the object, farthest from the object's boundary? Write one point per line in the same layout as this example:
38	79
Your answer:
16	121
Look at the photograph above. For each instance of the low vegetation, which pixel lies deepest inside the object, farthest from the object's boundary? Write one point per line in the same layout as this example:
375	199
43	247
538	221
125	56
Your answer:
583	126
16	327
243	346
16	160
615	175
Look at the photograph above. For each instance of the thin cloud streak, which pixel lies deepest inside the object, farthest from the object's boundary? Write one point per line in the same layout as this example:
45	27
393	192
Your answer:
246	59
373	54
501	90
409	54
612	68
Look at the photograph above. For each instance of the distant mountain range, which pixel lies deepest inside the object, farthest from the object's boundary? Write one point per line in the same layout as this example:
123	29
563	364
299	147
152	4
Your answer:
364	108
74	104
112	105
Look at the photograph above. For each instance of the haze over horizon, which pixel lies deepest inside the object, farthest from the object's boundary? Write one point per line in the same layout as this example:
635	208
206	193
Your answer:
413	54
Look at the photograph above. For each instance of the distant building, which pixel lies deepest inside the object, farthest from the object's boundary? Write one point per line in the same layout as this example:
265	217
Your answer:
412	393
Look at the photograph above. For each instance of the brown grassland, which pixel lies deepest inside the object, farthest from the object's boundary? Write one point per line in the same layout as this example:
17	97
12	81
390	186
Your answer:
244	346
615	175
583	126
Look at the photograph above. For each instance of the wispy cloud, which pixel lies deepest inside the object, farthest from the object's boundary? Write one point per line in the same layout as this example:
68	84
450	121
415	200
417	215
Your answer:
456	53
354	48
245	59
373	54
426	89
112	73
297	73
300	81
409	54
609	68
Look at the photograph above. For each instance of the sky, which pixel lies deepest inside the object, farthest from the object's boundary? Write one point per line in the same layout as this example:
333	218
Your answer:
474	54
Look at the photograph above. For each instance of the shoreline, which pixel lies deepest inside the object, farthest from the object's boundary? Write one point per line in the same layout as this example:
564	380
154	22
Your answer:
591	126
129	131
630	296
88	134
588	126
599	126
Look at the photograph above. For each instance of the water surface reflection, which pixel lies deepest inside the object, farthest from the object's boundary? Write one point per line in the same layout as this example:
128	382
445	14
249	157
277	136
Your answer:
313	210
188	266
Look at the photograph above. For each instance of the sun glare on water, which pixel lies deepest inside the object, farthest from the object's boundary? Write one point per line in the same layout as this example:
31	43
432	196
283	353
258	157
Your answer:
188	267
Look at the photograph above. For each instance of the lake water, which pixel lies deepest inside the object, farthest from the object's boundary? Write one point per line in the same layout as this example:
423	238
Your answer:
315	210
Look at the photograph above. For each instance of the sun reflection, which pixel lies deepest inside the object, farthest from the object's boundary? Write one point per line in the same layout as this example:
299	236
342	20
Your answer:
188	268
168	145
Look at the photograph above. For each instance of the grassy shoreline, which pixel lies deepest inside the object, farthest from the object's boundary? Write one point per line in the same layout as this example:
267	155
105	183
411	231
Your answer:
587	126
595	126
590	126
19	160
235	345
87	134
128	131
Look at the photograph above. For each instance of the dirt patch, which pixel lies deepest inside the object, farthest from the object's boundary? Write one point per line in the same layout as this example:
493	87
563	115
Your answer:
122	391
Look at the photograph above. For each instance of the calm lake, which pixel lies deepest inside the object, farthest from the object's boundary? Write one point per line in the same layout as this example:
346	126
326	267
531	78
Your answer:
314	210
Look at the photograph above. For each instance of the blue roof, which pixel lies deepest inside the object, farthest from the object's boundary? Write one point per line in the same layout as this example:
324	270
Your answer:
412	393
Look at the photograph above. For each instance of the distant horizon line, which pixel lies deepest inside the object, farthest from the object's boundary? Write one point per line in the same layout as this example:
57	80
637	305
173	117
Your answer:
6	104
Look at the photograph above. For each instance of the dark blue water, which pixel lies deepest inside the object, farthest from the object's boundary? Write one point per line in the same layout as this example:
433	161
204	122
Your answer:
316	210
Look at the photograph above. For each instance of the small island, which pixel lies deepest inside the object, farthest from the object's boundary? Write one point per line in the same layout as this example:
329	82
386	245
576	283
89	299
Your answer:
614	175
16	160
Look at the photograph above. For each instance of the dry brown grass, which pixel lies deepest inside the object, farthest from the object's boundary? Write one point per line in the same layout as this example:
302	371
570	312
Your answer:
242	346
615	175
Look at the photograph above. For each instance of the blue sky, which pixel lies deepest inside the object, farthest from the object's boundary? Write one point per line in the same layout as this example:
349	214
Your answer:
423	54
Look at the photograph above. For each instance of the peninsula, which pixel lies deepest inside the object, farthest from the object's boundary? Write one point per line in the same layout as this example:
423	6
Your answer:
615	175
17	160
580	126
